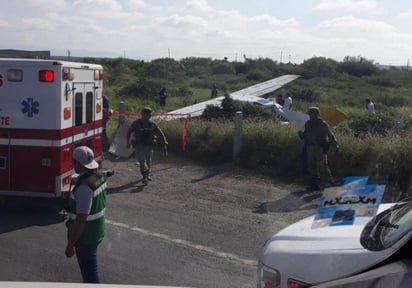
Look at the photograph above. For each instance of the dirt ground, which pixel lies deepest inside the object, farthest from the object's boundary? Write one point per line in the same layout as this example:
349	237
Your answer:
182	172
184	181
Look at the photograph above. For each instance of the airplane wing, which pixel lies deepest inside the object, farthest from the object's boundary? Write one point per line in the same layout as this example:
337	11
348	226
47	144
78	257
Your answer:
195	109
264	87
250	94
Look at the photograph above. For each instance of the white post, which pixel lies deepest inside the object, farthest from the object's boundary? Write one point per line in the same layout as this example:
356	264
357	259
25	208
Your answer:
122	112
237	138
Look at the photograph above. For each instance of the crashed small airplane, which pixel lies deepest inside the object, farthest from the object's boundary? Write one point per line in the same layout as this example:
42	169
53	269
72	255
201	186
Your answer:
250	94
253	95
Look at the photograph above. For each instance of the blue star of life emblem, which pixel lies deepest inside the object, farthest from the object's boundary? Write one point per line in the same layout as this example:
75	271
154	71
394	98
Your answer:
30	107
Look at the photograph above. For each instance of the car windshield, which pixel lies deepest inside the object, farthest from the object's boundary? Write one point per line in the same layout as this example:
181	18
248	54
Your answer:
388	227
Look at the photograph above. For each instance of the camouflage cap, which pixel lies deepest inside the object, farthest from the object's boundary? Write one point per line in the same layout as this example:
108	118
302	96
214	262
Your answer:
313	110
147	110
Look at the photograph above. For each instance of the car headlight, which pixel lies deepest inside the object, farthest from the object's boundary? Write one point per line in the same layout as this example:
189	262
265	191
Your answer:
268	277
296	284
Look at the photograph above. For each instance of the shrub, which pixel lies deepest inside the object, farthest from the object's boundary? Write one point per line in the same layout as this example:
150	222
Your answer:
380	123
357	66
307	95
252	111
222	67
212	112
382	81
318	67
255	75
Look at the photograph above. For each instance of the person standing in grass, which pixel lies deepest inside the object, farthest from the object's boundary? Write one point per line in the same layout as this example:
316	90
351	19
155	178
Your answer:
213	92
369	107
280	100
162	97
317	138
287	105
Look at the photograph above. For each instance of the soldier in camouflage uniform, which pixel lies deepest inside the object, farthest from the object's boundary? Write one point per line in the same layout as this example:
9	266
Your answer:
146	133
318	138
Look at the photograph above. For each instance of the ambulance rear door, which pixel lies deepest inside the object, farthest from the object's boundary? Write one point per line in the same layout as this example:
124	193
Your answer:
85	126
30	126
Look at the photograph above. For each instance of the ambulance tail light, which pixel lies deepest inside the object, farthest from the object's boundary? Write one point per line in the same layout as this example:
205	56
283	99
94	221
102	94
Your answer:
67	113
66	181
98	107
68	74
46	76
98	75
98	145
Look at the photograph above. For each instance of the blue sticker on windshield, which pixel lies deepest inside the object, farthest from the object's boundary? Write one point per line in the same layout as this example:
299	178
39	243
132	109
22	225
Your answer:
343	205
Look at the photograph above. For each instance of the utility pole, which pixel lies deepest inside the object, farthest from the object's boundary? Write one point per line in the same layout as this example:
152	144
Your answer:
281	52
168	52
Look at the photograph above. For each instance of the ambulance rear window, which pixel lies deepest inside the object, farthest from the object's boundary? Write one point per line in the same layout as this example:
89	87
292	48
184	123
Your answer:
15	75
89	107
78	114
2	162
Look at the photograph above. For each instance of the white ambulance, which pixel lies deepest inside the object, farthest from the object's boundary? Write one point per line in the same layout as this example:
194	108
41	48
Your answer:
47	108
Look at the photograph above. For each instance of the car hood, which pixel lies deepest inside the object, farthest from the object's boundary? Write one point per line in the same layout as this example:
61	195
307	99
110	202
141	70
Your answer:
320	254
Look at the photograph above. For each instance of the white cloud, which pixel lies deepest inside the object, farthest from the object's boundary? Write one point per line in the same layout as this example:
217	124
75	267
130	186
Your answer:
4	24
350	36
138	4
55	5
97	9
349	25
200	5
347	5
406	15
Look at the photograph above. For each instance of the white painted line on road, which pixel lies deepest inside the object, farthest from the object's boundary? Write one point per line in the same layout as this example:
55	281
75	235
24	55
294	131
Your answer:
185	243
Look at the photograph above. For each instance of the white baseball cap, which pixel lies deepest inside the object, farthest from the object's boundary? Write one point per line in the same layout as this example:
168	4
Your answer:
84	155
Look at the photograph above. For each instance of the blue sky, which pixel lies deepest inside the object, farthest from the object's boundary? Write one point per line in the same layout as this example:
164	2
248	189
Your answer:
293	30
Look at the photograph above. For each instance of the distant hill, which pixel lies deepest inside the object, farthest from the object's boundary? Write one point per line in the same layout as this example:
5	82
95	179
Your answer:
14	53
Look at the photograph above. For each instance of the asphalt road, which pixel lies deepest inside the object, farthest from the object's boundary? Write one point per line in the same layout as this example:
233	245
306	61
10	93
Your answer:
192	226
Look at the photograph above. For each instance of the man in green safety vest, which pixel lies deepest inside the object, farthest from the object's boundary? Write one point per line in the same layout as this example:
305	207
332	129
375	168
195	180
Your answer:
85	209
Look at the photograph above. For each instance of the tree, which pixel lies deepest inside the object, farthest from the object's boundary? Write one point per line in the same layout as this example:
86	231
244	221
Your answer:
230	106
318	67
357	66
222	67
